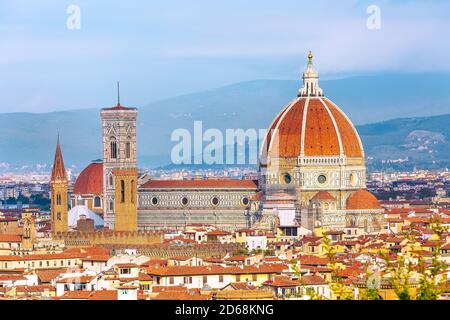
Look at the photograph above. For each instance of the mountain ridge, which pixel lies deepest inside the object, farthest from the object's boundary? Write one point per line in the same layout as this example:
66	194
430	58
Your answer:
29	138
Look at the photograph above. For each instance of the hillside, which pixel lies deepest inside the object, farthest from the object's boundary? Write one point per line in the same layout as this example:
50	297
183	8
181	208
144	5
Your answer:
28	139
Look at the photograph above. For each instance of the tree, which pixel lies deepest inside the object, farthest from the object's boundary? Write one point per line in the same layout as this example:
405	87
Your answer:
337	285
400	276
371	293
430	285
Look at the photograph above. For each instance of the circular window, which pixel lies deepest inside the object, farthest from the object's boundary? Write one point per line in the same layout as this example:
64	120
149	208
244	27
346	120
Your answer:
184	201
322	179
287	178
154	201
215	201
245	201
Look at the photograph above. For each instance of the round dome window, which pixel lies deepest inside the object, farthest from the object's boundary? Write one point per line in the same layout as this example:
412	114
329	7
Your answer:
154	201
245	201
215	201
184	201
322	179
287	178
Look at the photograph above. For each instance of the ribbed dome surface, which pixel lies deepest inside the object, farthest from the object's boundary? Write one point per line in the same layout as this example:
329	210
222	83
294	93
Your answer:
312	126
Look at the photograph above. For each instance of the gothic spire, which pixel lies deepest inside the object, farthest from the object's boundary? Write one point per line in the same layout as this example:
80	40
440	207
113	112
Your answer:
58	170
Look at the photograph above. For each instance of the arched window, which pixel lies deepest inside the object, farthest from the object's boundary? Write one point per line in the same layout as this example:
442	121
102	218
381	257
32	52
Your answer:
132	191
111	205
122	191
128	149
111	180
97	202
58	199
113	148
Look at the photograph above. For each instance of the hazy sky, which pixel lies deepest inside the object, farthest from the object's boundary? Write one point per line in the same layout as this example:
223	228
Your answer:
160	49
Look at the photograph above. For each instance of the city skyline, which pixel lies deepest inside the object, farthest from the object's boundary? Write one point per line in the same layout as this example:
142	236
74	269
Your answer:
235	153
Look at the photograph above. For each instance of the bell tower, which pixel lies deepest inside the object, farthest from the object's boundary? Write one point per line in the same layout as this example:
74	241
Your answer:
119	151
28	231
58	187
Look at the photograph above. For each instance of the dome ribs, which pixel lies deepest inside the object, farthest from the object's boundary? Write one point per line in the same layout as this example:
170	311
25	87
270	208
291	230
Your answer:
320	136
349	136
315	126
290	130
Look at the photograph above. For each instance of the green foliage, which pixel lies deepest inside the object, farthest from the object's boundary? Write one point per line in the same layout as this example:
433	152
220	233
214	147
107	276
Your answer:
337	286
370	294
430	285
400	276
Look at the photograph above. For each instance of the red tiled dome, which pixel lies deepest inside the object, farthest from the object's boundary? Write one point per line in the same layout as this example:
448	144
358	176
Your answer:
323	195
313	126
362	200
90	180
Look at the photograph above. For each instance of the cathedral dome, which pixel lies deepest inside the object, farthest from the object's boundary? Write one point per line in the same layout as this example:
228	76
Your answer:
362	200
312	126
90	180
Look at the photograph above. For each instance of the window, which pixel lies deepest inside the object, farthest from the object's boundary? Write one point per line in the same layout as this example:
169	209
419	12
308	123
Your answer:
132	191
58	216
111	205
205	279
97	202
111	180
113	148
171	280
58	199
287	178
254	277
187	280
322	179
238	278
184	201
122	191
128	150
125	271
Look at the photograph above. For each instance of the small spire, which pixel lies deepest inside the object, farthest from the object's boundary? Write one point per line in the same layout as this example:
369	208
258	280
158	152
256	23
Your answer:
118	93
58	170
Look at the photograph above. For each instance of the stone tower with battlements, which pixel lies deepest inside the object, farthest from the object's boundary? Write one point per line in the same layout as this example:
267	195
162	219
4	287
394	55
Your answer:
125	199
